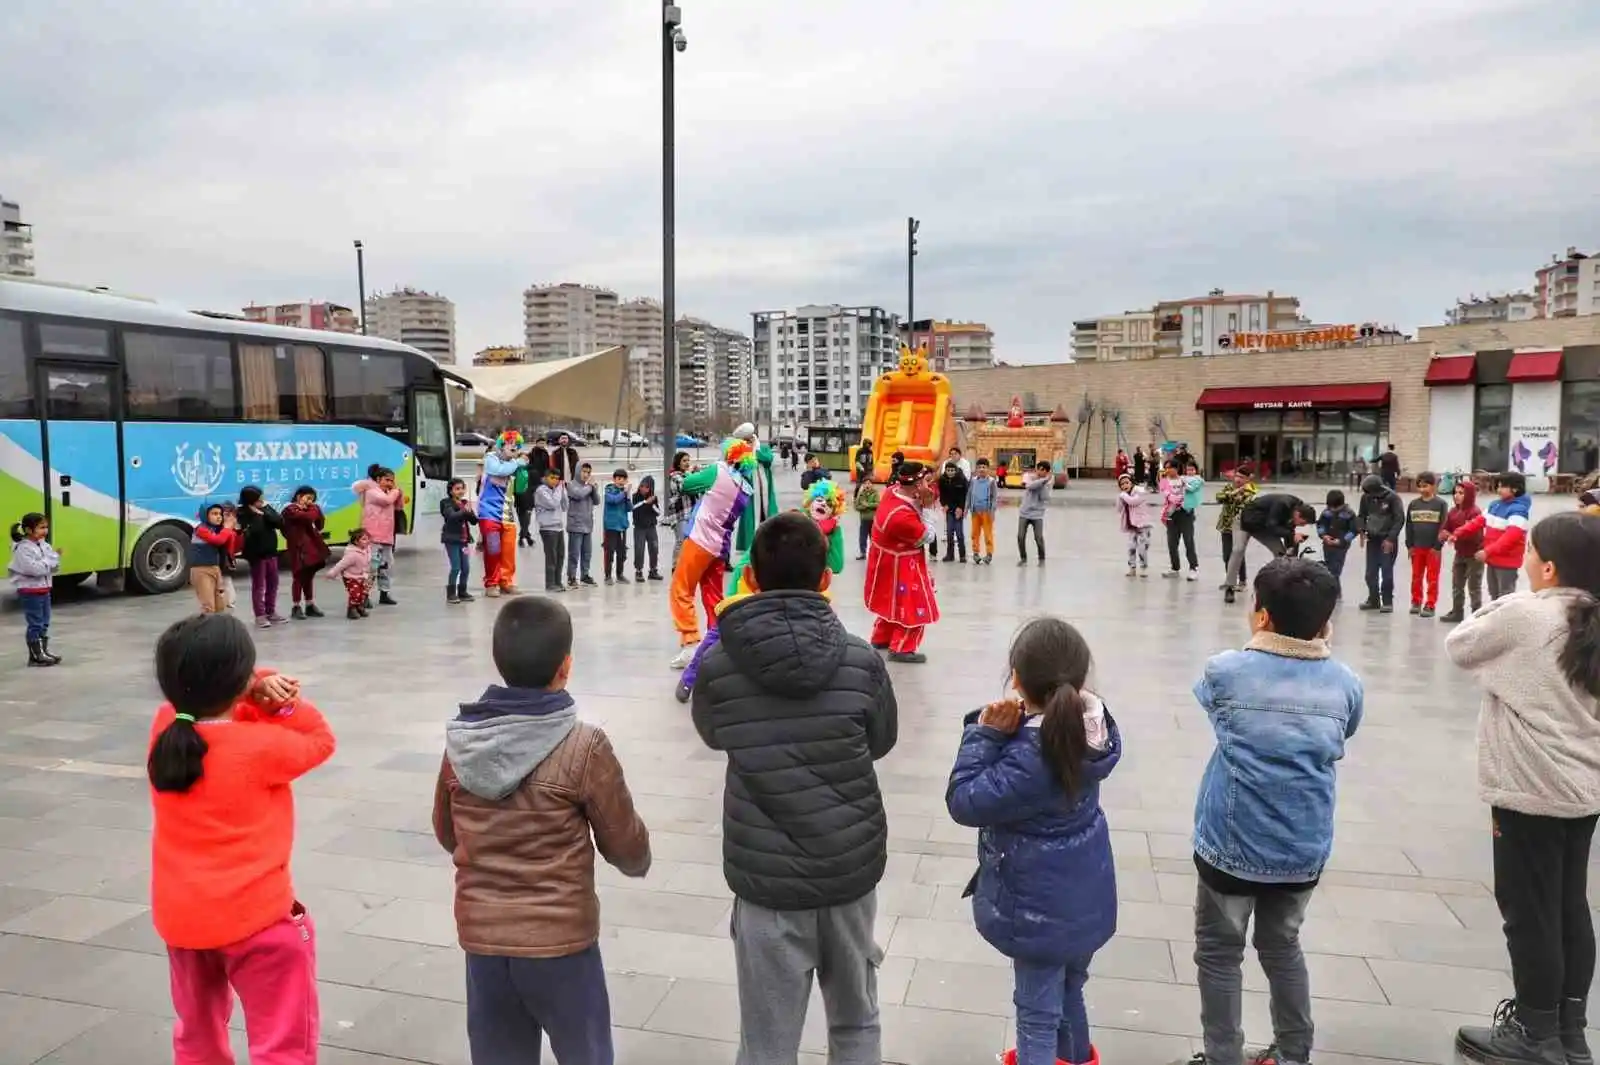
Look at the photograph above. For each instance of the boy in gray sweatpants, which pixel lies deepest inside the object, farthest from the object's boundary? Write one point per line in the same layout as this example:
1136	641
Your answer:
803	709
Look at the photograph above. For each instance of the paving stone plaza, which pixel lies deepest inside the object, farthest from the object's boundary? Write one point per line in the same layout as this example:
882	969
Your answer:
1403	934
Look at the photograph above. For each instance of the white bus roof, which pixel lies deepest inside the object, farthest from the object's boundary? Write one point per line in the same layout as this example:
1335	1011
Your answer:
74	301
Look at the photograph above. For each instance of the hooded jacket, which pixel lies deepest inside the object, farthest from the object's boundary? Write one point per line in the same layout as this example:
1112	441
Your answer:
646	504
522	786
1505	535
1270	515
1382	515
1538	736
802	709
617	508
211	545
1046	888
1464	524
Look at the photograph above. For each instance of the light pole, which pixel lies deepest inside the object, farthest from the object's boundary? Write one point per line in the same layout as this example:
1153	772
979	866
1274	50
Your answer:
361	284
672	42
912	225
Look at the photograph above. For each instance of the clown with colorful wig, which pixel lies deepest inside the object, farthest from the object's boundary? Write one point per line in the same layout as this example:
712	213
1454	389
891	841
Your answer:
735	494
825	504
497	514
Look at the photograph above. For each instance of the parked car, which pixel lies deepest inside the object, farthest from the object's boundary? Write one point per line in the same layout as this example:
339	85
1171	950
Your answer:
576	438
477	440
624	438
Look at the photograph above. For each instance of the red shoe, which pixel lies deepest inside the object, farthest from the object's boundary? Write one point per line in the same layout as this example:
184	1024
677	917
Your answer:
1010	1057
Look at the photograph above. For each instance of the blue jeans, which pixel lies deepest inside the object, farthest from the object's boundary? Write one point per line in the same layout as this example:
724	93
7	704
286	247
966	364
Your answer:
578	552
1333	558
955	534
1052	1024
36	609
1380	571
460	566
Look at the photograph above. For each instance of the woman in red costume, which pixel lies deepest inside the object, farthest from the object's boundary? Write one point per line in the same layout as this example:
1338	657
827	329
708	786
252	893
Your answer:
898	590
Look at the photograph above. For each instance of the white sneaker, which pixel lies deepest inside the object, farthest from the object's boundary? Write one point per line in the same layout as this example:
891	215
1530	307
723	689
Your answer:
492	592
684	657
1132	571
1194	575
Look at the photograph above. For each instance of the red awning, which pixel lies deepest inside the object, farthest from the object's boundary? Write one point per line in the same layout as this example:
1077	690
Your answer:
1313	397
1451	370
1535	366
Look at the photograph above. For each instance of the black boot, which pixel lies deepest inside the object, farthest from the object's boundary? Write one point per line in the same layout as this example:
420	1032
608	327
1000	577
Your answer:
44	649
36	654
1517	1037
385	599
464	596
1574	1019
312	611
450	595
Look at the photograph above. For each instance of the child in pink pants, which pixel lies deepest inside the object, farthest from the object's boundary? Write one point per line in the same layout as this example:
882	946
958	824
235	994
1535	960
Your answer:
223	751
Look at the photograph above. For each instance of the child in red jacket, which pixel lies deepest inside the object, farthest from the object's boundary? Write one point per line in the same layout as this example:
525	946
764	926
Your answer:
224	748
1463	527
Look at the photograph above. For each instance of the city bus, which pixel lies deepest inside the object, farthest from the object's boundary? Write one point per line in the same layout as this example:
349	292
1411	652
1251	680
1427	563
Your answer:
121	418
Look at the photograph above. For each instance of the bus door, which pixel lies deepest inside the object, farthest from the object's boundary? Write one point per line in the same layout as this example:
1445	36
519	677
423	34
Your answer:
80	412
434	446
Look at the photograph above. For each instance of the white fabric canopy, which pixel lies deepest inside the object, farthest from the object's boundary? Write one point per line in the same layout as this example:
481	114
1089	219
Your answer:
583	388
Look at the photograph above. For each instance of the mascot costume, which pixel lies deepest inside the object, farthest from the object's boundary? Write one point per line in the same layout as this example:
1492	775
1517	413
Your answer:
897	589
734	496
497	514
825	503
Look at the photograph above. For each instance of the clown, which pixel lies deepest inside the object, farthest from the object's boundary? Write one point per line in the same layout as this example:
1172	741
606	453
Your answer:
825	503
497	515
734	495
898	589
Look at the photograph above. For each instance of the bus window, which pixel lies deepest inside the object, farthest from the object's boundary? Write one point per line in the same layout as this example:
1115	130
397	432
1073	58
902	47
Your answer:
84	341
369	388
178	378
282	382
16	398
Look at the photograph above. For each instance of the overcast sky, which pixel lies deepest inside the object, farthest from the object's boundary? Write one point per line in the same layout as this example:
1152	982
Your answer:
1375	158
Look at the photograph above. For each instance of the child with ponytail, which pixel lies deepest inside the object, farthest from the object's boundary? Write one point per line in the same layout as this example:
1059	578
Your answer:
33	567
224	748
1536	655
1045	895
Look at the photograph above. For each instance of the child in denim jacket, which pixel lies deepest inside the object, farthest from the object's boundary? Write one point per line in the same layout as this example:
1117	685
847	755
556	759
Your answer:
1282	709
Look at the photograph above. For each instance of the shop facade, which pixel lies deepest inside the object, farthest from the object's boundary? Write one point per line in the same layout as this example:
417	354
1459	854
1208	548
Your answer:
1534	410
1295	432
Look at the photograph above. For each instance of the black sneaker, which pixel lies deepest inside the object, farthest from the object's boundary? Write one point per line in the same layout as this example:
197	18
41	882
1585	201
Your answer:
1387	608
655	575
586	579
1515	1037
1416	608
1228	597
385	599
1427	612
297	613
622	580
1453	618
915	658
1371	604
312	611
465	596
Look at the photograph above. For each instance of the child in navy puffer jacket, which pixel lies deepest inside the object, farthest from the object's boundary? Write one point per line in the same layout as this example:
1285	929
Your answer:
1045	894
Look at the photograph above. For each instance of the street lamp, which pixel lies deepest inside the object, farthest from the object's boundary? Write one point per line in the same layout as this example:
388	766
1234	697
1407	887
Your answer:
912	225
361	285
672	42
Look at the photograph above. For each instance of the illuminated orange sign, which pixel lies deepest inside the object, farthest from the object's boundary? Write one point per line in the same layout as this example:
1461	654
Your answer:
1305	338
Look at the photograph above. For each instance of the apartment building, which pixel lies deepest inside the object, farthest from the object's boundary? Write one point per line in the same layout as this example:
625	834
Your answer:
641	331
16	240
951	345
566	319
1481	310
1569	287
713	370
1115	337
816	364
308	314
424	320
1206	325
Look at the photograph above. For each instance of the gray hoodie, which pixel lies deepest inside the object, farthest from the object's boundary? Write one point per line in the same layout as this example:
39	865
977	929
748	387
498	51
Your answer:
505	735
550	507
581	499
1035	494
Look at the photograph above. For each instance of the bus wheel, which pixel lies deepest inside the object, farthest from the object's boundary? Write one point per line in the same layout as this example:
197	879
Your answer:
161	559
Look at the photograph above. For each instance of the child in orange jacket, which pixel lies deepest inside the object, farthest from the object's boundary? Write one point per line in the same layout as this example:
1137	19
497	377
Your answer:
224	749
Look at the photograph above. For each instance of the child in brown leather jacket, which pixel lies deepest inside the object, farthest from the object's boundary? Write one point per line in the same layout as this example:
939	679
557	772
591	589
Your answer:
523	785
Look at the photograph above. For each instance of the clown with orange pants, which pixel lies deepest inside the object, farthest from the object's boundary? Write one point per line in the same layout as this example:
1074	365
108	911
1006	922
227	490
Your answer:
735	495
497	515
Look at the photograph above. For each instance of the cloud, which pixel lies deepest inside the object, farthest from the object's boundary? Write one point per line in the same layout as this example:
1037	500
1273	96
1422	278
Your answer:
1375	159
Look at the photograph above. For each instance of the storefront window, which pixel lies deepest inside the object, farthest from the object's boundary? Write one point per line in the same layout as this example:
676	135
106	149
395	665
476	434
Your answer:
1218	422
1580	427
1330	419
1260	421
1491	428
1297	444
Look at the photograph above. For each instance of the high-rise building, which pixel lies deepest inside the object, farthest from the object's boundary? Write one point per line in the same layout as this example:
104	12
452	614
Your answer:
1481	310
816	364
713	371
566	319
424	320
309	314
952	345
1569	287
16	240
641	331
1115	337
